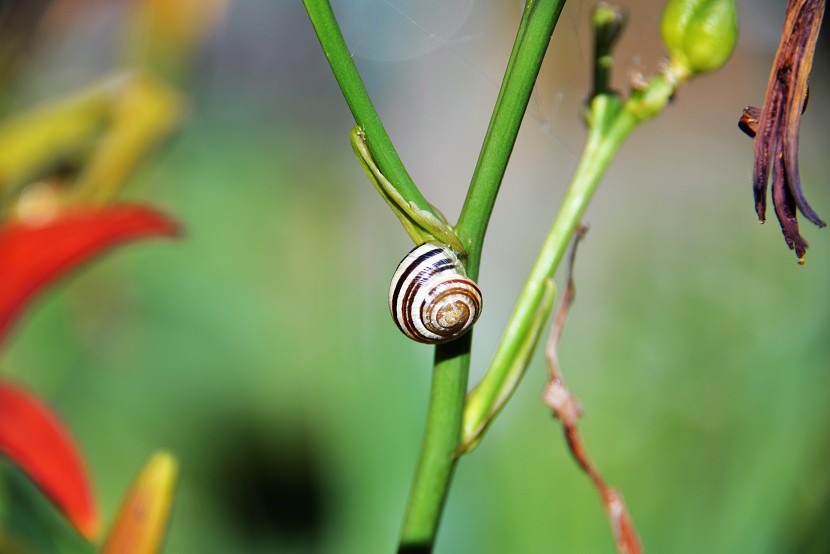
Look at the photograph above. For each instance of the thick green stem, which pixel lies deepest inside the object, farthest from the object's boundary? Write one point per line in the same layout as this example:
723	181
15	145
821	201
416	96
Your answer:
452	360
441	438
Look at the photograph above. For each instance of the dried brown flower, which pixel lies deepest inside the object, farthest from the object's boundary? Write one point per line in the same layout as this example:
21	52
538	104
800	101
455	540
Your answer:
775	125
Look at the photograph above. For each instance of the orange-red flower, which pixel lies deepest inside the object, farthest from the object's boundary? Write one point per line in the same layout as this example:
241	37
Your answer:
775	125
33	255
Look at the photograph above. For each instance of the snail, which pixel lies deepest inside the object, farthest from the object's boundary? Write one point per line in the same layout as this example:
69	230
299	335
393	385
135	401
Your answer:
431	298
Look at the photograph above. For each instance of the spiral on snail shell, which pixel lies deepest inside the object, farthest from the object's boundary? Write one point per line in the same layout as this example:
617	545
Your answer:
431	298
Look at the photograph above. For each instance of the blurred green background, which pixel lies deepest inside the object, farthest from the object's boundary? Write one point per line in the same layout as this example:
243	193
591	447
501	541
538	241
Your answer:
259	349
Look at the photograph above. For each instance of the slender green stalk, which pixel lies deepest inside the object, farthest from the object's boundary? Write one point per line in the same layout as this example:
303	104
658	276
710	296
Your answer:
452	360
534	305
610	121
610	124
535	30
365	115
441	438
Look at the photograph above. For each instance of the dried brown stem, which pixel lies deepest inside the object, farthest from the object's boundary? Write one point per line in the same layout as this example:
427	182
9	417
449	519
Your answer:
567	408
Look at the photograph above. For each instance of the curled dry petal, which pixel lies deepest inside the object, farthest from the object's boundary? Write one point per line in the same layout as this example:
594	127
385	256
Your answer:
34	255
775	126
785	208
34	438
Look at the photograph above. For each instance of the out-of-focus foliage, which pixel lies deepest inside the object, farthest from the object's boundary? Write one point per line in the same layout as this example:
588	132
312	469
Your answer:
260	353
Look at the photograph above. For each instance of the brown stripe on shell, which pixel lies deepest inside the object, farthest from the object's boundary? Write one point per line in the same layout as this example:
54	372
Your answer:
406	302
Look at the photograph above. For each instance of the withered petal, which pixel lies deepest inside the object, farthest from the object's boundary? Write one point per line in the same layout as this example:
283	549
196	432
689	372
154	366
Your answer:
785	206
765	142
793	179
776	127
802	44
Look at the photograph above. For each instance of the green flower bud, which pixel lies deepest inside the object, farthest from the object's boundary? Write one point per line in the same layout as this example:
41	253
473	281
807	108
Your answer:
699	34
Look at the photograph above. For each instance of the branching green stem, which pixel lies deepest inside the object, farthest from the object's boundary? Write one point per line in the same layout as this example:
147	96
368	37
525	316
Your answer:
452	360
610	123
533	307
422	226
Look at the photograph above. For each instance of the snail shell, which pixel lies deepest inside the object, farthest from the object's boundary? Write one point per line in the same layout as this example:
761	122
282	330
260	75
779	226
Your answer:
431	298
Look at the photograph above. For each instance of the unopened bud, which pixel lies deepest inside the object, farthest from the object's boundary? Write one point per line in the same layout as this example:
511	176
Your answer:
699	34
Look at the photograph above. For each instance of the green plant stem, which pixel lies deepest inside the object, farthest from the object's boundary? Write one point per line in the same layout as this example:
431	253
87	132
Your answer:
522	330
452	360
536	27
441	438
365	115
610	123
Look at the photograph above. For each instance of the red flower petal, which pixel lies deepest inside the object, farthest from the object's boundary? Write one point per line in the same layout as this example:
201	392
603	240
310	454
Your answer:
34	438
32	256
